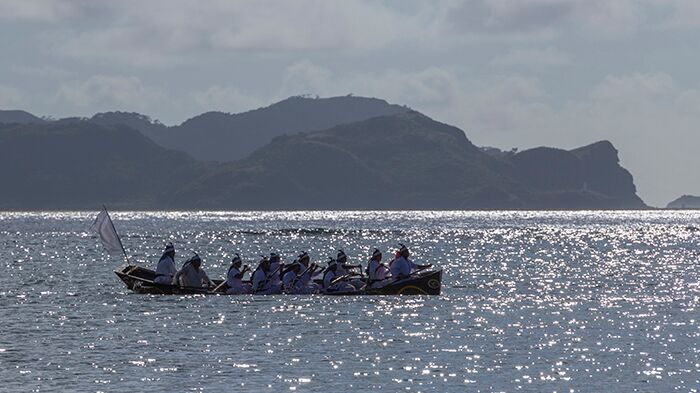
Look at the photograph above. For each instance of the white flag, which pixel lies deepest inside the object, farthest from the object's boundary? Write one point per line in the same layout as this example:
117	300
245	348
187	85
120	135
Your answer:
104	227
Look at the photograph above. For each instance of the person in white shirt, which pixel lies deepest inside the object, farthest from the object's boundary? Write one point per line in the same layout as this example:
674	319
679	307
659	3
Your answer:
376	270
276	267
343	268
192	275
307	270
402	267
262	279
259	278
166	270
234	278
290	279
331	283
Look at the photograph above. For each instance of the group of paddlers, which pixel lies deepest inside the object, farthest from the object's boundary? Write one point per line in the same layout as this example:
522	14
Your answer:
273	276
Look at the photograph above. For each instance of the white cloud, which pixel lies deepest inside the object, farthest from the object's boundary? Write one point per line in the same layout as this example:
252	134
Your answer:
227	99
157	32
432	86
110	93
532	57
10	97
37	10
545	19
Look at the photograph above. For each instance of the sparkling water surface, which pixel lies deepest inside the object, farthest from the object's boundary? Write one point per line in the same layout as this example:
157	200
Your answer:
532	301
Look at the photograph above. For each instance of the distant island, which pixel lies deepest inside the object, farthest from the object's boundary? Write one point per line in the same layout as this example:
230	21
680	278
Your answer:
301	153
685	202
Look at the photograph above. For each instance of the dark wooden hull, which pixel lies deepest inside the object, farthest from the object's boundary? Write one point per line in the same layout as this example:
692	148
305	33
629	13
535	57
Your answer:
140	280
420	283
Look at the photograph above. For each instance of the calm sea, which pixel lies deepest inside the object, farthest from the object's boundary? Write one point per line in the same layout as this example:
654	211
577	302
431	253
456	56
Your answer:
532	301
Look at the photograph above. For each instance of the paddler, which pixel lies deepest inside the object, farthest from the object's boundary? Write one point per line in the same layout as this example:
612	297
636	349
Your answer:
262	279
304	284
276	267
192	274
402	267
234	278
334	282
343	268
376	270
290	278
259	277
166	270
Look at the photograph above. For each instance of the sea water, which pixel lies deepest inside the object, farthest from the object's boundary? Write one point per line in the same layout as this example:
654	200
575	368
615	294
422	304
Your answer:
532	301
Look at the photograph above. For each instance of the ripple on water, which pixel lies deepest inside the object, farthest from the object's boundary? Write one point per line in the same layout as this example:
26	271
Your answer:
533	301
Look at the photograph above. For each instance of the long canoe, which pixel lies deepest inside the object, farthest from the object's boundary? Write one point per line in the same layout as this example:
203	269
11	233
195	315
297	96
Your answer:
140	280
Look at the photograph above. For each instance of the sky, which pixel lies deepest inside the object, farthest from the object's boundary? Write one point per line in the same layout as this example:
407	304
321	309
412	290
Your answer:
510	73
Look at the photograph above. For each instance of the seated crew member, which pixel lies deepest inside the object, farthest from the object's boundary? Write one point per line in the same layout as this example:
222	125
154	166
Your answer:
262	279
376	270
402	267
344	268
259	277
166	266
192	274
276	267
291	278
234	278
332	281
304	284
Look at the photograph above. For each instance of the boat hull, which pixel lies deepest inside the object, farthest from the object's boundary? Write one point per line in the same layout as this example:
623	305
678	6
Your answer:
140	280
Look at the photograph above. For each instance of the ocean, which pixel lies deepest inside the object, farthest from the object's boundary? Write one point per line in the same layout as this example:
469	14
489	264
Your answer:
555	301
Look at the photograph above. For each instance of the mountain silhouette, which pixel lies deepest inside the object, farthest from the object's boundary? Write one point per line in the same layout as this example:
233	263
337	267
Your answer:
218	136
19	117
400	160
81	165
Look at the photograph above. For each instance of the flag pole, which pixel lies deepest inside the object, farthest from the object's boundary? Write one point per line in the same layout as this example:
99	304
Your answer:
126	257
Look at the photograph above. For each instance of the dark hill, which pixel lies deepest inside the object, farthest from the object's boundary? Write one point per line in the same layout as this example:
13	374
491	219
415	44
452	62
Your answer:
18	117
409	161
81	165
685	202
588	176
400	161
217	136
391	162
137	121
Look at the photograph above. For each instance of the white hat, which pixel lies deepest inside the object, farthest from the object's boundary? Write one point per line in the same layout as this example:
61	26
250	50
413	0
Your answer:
169	247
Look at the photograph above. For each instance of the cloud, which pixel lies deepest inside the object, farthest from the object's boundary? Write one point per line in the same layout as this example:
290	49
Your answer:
545	19
227	99
10	97
108	92
430	86
37	10
532	57
682	14
157	32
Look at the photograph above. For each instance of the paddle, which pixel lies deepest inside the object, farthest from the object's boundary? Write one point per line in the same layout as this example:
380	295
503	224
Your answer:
267	279
299	276
245	269
343	277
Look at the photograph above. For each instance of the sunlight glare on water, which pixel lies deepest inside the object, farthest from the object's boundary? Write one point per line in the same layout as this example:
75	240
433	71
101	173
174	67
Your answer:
532	301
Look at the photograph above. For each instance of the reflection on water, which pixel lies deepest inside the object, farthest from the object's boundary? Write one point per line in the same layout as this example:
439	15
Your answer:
533	301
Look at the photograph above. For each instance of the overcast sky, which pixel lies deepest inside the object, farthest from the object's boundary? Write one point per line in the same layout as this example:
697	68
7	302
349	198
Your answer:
511	73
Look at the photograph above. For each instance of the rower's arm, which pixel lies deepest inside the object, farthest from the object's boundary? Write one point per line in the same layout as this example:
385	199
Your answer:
176	278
